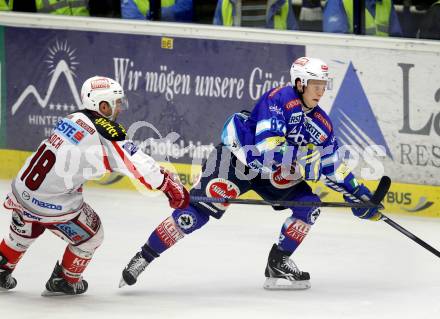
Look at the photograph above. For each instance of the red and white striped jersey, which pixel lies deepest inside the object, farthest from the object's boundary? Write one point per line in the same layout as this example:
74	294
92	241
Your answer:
83	146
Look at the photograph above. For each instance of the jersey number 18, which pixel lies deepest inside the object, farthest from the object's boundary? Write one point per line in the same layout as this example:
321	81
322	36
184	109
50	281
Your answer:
38	168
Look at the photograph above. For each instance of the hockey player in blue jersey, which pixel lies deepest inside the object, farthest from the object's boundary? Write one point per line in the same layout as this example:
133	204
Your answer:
286	140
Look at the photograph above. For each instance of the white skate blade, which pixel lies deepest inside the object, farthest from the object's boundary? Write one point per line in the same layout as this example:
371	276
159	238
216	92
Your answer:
47	293
122	283
284	284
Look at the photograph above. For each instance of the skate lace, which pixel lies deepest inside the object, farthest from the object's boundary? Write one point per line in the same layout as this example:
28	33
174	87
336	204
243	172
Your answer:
77	286
290	265
9	281
137	265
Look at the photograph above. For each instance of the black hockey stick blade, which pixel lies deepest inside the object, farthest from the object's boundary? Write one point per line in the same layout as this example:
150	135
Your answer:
410	235
378	196
381	191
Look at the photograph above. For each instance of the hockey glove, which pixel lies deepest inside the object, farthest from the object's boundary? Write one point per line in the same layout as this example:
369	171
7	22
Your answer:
364	194
177	194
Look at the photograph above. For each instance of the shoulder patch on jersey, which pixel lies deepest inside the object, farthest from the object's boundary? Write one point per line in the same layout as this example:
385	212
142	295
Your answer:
275	91
275	109
130	147
321	118
108	129
85	126
292	103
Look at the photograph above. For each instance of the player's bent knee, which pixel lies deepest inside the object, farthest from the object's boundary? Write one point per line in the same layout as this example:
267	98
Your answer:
93	242
308	215
189	219
84	232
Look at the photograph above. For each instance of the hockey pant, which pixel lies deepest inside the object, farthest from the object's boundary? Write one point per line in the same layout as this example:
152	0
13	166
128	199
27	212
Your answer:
84	234
224	176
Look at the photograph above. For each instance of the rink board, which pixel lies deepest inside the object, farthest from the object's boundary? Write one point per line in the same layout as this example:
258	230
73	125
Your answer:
184	80
406	199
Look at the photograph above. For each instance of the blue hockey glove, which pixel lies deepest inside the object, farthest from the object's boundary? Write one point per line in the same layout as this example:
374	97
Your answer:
363	193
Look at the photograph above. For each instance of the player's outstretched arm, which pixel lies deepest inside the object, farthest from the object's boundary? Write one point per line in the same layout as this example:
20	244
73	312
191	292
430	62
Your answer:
124	157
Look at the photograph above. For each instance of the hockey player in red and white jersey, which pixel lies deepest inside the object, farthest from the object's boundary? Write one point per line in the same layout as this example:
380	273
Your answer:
47	192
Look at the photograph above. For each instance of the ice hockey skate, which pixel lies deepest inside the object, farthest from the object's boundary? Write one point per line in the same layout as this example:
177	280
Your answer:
282	273
132	271
7	282
58	286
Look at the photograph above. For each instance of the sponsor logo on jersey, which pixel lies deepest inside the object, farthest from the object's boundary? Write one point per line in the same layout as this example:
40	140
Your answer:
323	120
31	216
25	195
292	104
130	147
71	131
46	205
168	233
275	109
222	188
85	126
281	182
315	132
111	127
355	123
295	118
78	136
255	164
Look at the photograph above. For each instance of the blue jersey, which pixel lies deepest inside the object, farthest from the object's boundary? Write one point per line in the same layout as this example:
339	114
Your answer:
277	131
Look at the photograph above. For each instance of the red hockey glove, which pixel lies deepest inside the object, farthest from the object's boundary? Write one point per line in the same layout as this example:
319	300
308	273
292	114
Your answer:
177	194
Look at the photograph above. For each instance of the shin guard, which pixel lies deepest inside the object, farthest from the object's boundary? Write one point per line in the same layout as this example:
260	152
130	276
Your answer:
9	257
74	263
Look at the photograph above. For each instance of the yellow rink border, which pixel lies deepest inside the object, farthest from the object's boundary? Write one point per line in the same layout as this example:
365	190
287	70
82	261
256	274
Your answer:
407	199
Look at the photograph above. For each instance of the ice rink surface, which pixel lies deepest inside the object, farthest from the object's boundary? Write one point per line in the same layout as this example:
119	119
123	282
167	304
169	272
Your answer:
359	269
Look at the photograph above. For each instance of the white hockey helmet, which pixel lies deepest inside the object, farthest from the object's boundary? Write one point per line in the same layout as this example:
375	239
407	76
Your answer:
306	69
98	89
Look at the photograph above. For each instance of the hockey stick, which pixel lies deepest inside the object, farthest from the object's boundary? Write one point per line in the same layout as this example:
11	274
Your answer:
279	203
385	183
379	194
410	235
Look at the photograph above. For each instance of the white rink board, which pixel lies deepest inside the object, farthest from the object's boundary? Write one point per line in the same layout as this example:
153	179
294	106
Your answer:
414	157
359	269
382	73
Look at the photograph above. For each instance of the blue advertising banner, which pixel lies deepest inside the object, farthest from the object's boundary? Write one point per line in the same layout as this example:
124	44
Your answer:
180	88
